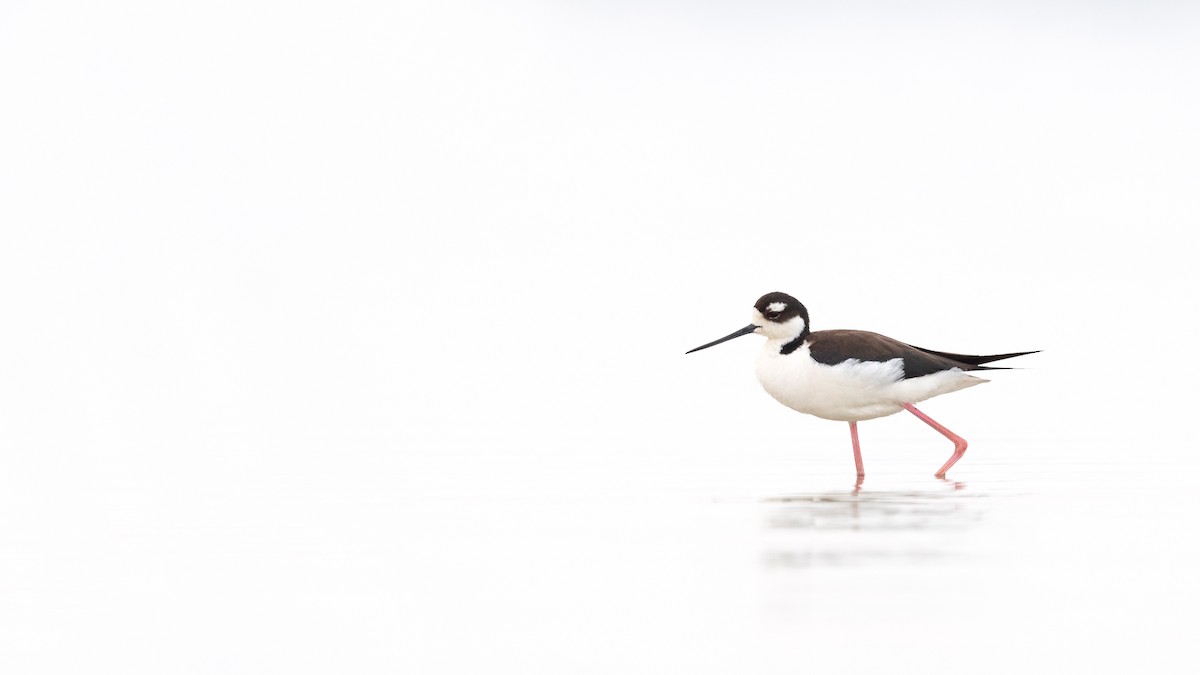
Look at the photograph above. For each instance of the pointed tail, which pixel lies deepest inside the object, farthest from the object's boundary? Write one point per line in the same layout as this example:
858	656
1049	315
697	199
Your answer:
975	360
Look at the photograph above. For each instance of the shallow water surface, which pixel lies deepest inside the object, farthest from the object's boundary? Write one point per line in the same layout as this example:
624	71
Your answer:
651	565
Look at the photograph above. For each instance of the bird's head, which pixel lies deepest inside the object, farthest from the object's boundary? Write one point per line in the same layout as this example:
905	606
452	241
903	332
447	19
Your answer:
778	316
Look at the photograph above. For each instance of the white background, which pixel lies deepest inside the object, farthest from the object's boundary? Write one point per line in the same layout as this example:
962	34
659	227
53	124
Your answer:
348	337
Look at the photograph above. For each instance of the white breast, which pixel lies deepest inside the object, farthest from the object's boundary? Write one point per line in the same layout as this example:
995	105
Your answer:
849	391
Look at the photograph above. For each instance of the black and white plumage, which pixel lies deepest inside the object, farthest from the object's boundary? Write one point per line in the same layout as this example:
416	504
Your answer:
852	375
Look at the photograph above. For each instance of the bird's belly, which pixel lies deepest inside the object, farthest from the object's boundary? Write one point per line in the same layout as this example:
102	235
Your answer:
844	392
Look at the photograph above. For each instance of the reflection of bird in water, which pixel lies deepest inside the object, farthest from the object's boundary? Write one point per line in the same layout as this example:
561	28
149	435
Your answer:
853	375
825	529
871	510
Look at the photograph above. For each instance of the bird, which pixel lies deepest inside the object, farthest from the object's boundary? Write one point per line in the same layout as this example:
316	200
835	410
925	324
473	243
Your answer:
854	375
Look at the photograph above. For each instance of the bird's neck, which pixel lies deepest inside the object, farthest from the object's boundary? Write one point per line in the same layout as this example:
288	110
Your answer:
795	343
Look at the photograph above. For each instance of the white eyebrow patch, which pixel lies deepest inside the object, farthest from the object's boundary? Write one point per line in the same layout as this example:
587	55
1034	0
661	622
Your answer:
776	306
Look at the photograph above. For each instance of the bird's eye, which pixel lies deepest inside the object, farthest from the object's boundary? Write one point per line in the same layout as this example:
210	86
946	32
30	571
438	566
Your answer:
772	315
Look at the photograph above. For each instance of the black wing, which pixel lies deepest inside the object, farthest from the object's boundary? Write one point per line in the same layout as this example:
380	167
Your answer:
832	347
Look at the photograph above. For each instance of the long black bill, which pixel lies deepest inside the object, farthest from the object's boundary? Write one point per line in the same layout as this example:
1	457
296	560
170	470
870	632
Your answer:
748	329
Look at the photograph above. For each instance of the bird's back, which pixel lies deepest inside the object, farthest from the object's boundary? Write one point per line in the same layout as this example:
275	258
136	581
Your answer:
832	347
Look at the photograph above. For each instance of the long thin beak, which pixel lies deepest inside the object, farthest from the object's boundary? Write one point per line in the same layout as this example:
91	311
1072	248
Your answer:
748	329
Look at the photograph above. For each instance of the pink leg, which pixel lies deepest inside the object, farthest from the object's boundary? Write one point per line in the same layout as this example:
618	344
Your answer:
960	445
857	452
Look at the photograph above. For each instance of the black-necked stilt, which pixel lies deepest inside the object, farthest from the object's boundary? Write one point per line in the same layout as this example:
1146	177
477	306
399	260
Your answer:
853	375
